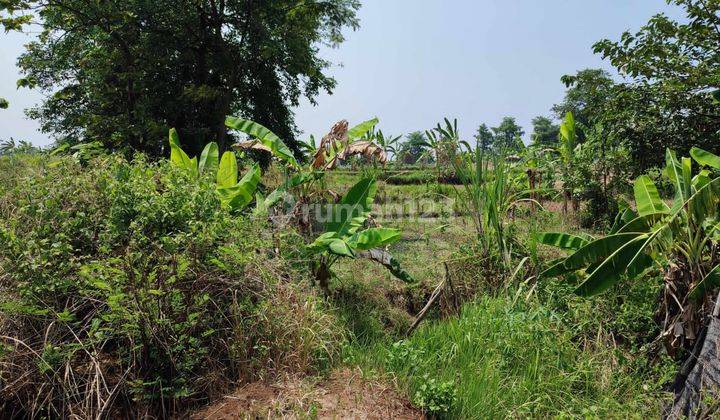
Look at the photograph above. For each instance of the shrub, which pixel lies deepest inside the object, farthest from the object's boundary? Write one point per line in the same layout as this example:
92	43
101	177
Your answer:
127	288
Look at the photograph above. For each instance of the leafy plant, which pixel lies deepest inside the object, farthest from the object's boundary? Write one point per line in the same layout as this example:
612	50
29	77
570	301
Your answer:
489	191
261	139
345	236
682	238
443	142
343	142
568	142
233	193
434	397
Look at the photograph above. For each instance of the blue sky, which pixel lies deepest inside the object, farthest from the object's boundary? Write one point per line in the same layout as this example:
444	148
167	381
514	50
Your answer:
413	62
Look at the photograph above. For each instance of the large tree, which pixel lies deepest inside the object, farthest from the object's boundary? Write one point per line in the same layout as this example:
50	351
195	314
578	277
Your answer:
484	137
123	72
673	70
587	93
545	132
508	135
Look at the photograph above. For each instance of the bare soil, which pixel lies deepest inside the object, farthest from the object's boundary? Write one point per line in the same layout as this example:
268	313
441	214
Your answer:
344	395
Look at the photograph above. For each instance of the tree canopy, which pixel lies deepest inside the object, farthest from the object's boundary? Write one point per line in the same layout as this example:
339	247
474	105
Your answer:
123	72
672	75
484	137
508	135
545	132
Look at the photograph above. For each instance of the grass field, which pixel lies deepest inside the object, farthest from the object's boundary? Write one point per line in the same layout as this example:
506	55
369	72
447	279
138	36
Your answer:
519	351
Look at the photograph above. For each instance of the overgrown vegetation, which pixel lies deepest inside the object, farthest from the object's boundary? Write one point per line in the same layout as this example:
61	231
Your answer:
128	288
145	277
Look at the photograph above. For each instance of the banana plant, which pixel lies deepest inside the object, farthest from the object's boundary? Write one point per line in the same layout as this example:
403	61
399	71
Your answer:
568	141
342	142
261	138
346	237
233	193
387	143
682	239
441	137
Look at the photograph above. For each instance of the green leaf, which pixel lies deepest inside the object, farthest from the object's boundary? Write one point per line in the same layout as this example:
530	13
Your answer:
676	172
705	158
701	179
264	136
361	129
322	242
178	157
647	197
591	253
353	209
373	238
562	240
227	171
709	282
209	158
612	269
340	247
261	209
623	218
568	133
242	194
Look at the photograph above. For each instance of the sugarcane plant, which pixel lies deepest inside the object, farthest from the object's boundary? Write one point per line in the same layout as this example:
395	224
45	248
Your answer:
681	239
490	191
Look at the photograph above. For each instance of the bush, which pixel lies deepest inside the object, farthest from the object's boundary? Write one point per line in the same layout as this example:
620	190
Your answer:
127	288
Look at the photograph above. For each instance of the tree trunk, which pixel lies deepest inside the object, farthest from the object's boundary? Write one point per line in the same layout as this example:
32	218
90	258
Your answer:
697	394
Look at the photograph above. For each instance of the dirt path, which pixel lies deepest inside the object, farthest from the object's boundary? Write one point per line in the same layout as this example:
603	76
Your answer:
344	395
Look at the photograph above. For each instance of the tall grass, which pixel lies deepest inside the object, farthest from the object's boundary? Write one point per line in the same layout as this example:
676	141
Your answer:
504	360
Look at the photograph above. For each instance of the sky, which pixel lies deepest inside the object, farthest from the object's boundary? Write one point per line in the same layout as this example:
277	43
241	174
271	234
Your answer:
413	62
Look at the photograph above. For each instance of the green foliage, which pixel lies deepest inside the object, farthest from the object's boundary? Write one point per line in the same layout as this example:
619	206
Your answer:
508	136
360	130
544	131
499	359
435	398
344	235
484	138
685	232
139	271
124	72
587	92
413	149
10	147
266	137
234	194
489	190
4	104
666	99
411	178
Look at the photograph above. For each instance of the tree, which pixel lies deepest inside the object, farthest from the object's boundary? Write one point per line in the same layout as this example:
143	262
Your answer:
673	70
544	131
484	137
508	135
124	72
411	150
586	95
